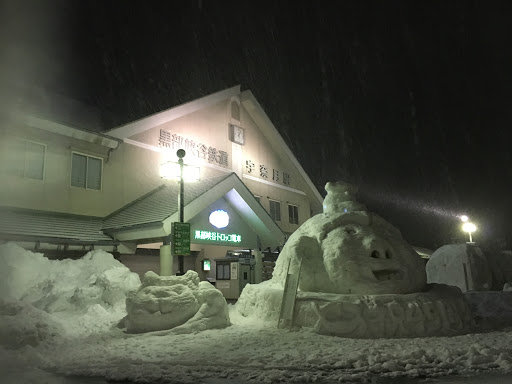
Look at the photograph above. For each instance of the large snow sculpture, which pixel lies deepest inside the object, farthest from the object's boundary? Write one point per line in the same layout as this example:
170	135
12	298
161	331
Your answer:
181	303
348	251
359	278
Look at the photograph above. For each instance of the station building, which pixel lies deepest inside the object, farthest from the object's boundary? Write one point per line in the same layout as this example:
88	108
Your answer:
69	187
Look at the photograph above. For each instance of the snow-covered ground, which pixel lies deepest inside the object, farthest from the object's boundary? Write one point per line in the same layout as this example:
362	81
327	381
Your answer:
60	317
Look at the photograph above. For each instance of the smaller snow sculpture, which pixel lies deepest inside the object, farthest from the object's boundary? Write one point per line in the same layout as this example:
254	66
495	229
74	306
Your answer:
181	303
469	267
462	265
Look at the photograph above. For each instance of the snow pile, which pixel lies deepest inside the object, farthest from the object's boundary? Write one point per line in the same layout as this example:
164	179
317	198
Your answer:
181	303
78	296
462	265
346	251
507	287
23	324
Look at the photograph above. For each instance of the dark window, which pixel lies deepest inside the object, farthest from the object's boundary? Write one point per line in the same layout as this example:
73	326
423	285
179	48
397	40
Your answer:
275	210
26	159
293	214
223	272
86	171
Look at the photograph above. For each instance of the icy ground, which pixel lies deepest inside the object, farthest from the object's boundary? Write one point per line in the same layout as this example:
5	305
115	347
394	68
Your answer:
52	325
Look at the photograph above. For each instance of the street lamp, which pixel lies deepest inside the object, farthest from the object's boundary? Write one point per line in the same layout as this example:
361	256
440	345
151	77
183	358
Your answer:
177	171
469	228
464	218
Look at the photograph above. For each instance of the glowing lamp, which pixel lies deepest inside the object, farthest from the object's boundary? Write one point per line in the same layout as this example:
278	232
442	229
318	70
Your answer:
464	218
171	170
469	228
219	218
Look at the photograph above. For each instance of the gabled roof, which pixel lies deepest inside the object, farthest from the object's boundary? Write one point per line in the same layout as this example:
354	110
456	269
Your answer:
253	108
152	215
163	117
42	225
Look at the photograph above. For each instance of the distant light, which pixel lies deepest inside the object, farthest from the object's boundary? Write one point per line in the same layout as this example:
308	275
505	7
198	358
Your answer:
469	227
171	170
345	210
464	218
219	218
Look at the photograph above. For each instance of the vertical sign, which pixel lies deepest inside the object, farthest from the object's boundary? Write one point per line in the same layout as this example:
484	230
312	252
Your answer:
234	271
180	238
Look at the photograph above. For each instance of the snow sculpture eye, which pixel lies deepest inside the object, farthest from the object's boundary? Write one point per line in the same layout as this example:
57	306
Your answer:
350	230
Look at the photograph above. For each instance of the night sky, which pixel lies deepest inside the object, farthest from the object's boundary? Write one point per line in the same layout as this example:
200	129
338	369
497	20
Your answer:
409	100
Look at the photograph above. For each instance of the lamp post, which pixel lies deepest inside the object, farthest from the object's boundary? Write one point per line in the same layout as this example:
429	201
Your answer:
181	172
181	202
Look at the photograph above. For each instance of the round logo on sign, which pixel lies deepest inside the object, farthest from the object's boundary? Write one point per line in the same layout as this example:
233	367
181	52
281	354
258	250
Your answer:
219	218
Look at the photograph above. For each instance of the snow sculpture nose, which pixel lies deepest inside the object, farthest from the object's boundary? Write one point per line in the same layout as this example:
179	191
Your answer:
380	249
381	254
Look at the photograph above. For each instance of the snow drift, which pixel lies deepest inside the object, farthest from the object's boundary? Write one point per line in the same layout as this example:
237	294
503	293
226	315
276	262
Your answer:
42	298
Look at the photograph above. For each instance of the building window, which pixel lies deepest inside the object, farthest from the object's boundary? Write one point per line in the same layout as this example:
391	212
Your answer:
275	210
293	214
86	171
223	272
27	159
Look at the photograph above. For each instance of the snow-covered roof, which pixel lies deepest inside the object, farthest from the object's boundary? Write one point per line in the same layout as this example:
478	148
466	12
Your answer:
158	204
40	225
151	216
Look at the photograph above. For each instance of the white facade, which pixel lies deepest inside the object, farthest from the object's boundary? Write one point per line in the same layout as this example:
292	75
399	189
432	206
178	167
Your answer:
54	168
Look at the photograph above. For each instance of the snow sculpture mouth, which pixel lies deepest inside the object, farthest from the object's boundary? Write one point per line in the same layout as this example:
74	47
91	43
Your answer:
388	274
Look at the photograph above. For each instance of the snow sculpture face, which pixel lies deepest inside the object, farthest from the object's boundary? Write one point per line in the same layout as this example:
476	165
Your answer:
351	252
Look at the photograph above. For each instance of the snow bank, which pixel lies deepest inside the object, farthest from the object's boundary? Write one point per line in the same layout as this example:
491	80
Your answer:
75	296
181	303
462	265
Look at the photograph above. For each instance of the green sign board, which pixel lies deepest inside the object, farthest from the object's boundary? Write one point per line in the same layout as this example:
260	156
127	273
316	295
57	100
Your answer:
180	238
215	236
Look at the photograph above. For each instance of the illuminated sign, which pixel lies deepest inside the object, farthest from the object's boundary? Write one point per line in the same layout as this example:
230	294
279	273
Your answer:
206	265
219	219
215	236
196	149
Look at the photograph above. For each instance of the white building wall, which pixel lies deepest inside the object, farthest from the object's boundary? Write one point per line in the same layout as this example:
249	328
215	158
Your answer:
132	169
